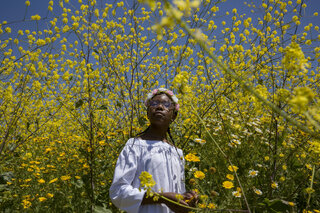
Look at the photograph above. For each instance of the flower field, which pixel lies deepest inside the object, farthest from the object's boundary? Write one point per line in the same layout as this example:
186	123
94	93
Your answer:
75	76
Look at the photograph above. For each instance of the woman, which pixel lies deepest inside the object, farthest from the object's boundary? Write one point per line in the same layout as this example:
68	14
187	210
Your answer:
151	151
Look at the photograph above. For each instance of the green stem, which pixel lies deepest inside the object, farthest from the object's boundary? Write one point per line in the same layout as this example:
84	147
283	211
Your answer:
200	209
311	185
215	142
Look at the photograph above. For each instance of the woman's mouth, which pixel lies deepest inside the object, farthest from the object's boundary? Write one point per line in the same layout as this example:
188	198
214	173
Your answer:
158	114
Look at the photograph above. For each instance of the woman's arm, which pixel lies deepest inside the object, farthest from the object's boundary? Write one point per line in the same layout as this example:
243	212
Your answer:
122	193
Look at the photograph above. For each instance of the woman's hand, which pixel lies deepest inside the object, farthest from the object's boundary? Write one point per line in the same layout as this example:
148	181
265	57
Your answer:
191	198
177	198
186	199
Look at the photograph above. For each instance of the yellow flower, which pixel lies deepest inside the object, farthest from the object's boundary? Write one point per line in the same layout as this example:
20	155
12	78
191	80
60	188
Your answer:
230	176
282	178
66	177
227	185
179	197
294	59
233	168
309	190
200	175
274	185
291	203
49	195
146	180
41	199
303	95
53	180
41	181
186	6
211	206
65	20
203	197
8	29
36	17
181	82
202	205
27	3
26	204
192	158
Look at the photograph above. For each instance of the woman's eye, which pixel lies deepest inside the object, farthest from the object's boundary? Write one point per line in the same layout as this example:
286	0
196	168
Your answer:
167	104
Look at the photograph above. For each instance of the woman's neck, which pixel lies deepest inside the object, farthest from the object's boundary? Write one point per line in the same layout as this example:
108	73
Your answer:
155	134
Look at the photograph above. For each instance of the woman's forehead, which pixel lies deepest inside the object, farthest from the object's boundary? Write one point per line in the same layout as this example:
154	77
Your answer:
161	97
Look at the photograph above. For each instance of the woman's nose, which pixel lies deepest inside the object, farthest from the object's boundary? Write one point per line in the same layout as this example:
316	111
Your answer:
160	106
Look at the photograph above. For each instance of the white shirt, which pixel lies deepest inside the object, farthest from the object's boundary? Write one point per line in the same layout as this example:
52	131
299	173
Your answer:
164	162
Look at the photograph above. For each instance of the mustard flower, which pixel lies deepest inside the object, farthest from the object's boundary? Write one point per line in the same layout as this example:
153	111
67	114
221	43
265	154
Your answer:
53	180
227	184
41	199
146	180
230	176
192	158
65	177
49	195
291	203
211	206
232	168
41	181
26	204
200	175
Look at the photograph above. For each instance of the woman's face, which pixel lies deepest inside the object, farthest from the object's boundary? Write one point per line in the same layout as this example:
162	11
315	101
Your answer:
161	110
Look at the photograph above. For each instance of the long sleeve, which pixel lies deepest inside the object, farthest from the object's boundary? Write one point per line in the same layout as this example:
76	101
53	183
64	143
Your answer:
122	193
159	159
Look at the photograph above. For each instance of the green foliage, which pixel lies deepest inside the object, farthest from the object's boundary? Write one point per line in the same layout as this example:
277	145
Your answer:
73	85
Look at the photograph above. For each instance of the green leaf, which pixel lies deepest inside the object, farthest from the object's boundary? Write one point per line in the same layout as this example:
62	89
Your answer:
279	205
79	103
142	120
78	184
102	107
101	209
119	104
96	51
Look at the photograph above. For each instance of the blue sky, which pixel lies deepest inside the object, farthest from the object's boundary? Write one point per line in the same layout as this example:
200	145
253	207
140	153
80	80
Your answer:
13	10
